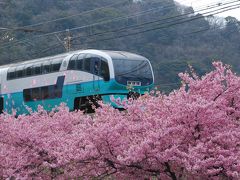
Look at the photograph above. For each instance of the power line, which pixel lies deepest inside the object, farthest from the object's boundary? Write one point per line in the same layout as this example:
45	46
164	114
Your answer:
186	34
169	84
155	21
75	15
161	27
117	19
188	20
99	23
111	20
120	18
55	20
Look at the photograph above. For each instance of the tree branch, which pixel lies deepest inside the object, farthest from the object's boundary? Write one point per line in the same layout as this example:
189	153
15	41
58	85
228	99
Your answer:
168	170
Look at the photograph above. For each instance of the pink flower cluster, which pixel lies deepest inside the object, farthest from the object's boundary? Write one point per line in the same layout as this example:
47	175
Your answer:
192	133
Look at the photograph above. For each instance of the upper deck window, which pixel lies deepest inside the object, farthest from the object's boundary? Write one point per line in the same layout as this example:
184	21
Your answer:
90	63
72	62
104	71
37	69
79	61
20	71
11	73
76	62
46	68
28	70
34	69
56	65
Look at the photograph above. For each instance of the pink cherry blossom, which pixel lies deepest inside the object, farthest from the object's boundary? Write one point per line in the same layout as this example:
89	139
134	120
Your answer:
192	133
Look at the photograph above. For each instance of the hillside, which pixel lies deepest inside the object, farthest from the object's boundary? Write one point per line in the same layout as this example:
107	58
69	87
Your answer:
170	35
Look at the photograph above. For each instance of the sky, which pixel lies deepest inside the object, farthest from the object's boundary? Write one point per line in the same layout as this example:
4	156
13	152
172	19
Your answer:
203	3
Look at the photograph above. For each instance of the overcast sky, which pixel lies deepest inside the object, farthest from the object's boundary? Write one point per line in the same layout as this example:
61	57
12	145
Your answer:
202	3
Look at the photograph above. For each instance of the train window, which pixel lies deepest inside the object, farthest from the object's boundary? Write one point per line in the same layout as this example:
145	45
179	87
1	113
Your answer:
57	92
104	71
59	86
71	65
44	92
87	64
28	71
72	62
20	72
37	69
46	68
11	73
79	64
56	65
36	94
27	95
51	91
95	65
79	61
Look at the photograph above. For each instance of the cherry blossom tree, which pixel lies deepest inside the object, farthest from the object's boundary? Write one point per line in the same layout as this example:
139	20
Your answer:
192	133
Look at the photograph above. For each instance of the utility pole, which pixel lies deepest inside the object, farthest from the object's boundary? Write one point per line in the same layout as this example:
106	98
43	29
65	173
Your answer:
67	41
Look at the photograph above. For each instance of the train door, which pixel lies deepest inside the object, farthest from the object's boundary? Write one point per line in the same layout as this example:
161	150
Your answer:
95	67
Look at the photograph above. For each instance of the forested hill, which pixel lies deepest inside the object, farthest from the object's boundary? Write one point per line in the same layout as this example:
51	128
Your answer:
170	35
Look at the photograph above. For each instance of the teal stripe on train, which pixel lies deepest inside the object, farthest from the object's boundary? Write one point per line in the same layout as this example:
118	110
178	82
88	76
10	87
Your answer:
69	93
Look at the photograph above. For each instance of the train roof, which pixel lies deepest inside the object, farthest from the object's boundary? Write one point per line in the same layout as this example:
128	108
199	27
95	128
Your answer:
124	55
59	56
113	54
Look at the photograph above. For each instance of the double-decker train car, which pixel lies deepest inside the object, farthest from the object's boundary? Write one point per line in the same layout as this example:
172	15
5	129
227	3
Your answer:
76	78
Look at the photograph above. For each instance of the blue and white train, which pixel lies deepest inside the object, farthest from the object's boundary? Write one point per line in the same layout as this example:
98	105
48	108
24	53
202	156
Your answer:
76	78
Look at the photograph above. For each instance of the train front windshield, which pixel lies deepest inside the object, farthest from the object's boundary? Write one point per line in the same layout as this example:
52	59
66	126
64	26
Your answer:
138	72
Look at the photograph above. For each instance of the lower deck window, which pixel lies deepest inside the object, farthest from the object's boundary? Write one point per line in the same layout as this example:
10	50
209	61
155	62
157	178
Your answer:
45	92
27	94
41	93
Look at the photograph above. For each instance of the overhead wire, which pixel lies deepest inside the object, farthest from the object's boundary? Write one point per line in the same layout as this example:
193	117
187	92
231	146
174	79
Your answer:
55	20
164	85
103	22
166	7
169	6
186	34
74	15
55	45
94	41
212	6
169	84
198	31
155	21
161	27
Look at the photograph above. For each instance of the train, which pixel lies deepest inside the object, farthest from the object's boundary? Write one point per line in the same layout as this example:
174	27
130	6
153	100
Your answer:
78	78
